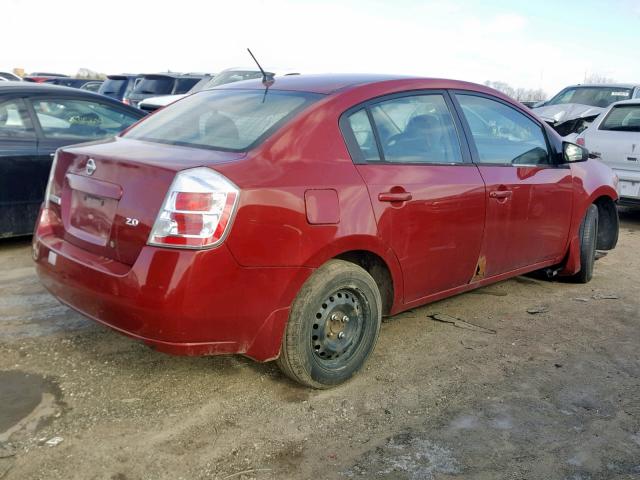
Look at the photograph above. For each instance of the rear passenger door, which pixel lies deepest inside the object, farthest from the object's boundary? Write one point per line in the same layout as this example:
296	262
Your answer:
529	195
427	196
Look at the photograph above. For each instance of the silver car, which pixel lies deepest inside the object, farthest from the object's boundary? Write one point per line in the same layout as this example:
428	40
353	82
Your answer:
615	137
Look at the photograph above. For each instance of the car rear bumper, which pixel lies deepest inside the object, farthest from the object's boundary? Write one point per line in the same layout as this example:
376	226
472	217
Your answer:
632	176
182	302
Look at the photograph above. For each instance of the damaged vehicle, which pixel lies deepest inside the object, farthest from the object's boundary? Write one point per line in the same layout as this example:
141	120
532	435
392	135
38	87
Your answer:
285	217
614	137
572	110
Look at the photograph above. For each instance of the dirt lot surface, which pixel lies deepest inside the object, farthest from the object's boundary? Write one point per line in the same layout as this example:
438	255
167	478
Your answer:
547	395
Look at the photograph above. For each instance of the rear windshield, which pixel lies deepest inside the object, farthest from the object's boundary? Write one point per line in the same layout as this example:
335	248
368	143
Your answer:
112	85
183	85
625	118
234	120
155	85
592	96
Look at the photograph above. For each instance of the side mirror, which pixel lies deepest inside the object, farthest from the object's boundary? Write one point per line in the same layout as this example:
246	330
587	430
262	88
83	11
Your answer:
572	153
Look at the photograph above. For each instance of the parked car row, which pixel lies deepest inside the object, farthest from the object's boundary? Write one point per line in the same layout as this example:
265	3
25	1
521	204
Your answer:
35	120
327	200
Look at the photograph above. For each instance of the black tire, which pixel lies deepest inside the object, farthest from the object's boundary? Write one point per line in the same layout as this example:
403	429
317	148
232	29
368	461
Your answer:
320	347
588	240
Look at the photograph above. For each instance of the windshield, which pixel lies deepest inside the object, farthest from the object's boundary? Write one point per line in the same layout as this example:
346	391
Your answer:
593	96
624	118
234	120
154	85
233	76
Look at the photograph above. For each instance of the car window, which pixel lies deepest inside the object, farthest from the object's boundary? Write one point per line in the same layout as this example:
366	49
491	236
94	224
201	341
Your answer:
363	133
622	118
593	96
14	121
417	129
80	119
502	134
156	85
222	119
183	85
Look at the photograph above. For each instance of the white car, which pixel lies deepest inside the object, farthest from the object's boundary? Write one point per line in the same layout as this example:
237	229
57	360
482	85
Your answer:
615	137
229	75
573	109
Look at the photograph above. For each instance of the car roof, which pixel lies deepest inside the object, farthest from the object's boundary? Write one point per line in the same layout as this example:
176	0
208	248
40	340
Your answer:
32	87
331	83
633	101
173	75
604	85
316	83
29	88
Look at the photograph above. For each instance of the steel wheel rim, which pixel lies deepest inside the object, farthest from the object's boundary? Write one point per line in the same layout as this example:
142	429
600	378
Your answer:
338	327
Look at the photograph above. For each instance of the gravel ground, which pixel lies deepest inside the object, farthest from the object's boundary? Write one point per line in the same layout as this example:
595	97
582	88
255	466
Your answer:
501	394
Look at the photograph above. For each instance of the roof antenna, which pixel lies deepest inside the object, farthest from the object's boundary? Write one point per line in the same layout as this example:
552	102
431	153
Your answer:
266	79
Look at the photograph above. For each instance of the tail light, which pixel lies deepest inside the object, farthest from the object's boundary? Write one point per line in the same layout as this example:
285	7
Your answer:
50	195
580	141
197	210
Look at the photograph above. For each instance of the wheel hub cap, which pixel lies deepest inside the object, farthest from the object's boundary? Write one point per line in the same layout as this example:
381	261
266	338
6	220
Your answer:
338	325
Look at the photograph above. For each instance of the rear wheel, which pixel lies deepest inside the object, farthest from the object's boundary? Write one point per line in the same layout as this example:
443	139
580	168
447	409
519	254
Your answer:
588	239
333	326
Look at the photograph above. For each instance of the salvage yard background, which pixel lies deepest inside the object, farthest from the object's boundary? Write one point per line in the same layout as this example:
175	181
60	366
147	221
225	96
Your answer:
550	395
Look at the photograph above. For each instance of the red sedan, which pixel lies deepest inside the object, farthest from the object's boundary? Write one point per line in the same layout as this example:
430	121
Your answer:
282	221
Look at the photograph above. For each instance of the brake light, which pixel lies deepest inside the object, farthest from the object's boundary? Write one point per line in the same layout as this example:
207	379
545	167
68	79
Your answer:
197	210
580	141
50	196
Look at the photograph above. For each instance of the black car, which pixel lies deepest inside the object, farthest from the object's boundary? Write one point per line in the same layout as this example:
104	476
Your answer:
158	84
35	120
119	86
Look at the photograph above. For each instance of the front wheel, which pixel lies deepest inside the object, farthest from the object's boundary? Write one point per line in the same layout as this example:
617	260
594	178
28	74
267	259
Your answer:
588	239
333	326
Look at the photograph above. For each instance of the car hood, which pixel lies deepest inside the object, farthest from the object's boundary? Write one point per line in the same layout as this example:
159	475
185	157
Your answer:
555	114
163	100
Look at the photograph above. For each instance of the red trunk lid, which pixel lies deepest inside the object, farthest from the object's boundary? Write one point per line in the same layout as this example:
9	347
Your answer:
111	192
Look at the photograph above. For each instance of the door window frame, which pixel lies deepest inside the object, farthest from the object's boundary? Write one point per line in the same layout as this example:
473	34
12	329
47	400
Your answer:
22	102
553	162
354	149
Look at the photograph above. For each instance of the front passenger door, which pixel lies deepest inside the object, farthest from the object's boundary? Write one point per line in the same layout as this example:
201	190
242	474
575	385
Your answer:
529	196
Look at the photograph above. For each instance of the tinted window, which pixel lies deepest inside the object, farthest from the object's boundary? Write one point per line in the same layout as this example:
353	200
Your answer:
593	96
112	86
154	85
221	119
80	119
184	84
502	134
417	129
623	118
14	121
363	134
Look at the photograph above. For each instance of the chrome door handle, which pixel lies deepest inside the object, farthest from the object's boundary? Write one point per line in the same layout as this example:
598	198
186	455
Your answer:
395	197
500	194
